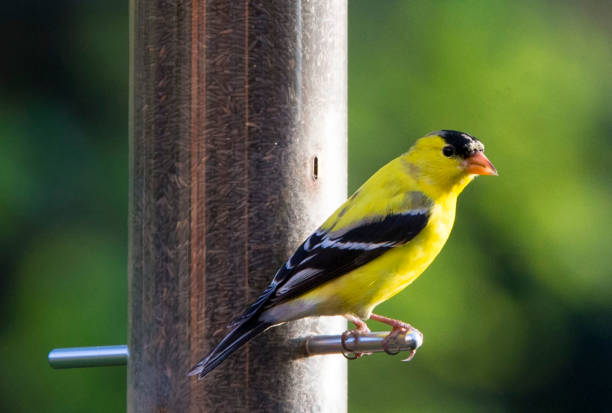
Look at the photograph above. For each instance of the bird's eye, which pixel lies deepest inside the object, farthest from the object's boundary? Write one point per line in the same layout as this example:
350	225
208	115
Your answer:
448	151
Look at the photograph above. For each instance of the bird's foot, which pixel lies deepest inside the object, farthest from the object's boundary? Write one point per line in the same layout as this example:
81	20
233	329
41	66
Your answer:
361	328
397	327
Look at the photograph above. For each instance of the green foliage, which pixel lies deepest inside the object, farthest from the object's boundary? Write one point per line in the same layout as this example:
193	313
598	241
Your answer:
515	311
505	308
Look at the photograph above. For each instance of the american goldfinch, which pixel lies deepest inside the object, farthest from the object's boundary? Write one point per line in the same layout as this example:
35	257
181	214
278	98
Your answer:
372	247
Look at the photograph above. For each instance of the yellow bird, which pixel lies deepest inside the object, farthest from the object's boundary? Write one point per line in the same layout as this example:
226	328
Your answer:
372	247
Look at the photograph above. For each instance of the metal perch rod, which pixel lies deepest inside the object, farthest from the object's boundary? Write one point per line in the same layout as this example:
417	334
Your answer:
65	358
363	343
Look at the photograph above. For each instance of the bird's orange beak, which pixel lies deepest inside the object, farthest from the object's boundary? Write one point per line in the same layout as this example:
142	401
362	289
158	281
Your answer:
478	164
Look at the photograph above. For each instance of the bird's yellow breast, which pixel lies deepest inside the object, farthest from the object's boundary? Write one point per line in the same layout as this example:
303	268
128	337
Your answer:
359	291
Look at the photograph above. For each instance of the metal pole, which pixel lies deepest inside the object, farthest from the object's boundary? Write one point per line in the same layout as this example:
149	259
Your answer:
238	152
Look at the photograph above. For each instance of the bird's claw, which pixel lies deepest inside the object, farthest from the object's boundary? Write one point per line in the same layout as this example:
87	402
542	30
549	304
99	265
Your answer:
410	356
397	330
348	353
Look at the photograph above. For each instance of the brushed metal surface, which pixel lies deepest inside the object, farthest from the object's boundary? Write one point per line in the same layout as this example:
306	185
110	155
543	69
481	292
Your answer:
231	103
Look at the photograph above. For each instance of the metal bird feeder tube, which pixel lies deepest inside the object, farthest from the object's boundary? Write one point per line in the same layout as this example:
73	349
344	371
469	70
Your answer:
238	151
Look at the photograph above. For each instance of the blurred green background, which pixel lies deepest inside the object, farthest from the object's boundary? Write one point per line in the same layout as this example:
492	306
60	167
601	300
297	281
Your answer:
516	311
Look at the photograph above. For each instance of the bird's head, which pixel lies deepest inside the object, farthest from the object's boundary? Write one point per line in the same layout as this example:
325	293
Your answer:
448	160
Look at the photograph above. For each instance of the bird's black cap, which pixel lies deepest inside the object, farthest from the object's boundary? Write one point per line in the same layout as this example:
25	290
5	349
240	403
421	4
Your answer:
465	144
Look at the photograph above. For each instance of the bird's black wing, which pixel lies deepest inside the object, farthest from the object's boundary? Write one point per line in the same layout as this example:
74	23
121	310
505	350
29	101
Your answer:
326	255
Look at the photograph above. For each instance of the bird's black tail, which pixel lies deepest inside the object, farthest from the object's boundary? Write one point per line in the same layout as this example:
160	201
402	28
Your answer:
230	343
